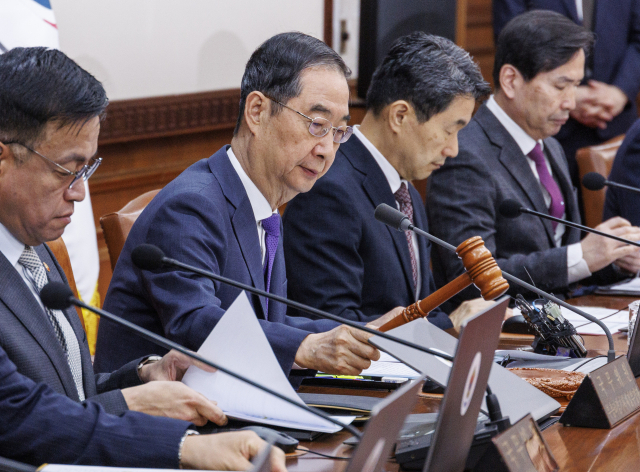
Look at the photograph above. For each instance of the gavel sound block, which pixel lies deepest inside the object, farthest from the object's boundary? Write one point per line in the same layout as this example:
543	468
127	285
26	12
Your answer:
481	270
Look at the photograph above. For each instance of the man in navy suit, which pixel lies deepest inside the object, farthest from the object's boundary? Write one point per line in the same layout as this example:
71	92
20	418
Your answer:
625	170
606	98
508	152
49	123
422	94
221	214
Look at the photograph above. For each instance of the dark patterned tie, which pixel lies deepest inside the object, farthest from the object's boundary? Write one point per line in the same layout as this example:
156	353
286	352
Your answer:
556	208
406	206
271	227
64	332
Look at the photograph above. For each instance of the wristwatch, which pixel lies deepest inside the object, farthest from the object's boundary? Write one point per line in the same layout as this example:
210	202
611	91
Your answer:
189	432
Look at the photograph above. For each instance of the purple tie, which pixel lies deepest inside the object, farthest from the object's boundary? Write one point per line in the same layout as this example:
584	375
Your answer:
403	197
271	227
557	201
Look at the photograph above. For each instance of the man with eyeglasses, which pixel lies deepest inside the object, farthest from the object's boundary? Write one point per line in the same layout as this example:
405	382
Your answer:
221	214
53	407
421	95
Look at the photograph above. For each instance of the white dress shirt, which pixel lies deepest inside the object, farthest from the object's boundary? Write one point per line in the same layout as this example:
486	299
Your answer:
395	181
576	266
259	204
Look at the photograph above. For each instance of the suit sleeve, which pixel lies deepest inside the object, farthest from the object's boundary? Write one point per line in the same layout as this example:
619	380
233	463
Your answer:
628	76
39	426
190	229
463	202
626	170
503	11
322	251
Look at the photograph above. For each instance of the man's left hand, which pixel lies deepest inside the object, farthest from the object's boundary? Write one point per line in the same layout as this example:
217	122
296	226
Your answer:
172	367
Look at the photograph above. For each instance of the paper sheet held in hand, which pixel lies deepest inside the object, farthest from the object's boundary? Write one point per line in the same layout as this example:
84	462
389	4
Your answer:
239	344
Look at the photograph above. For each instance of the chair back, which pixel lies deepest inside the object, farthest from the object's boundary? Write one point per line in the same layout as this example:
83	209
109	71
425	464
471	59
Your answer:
59	250
596	159
116	226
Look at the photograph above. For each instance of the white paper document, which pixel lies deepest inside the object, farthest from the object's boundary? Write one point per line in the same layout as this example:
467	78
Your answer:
93	468
631	287
577	320
239	344
390	369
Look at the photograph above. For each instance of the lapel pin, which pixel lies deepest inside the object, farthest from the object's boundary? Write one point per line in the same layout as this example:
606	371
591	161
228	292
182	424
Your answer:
46	266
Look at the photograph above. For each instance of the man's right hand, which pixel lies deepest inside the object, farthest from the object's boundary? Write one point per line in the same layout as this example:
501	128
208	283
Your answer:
599	252
227	451
342	351
173	400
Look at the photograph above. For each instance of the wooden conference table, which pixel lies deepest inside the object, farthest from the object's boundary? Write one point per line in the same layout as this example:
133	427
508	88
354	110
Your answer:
575	449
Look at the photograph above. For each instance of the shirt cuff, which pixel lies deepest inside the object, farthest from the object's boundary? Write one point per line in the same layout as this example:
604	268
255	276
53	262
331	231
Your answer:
577	268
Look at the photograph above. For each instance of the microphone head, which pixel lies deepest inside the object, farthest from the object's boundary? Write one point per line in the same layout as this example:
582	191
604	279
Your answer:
56	295
510	209
147	257
392	217
593	181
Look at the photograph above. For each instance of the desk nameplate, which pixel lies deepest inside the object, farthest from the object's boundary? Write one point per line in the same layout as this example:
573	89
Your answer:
607	396
521	448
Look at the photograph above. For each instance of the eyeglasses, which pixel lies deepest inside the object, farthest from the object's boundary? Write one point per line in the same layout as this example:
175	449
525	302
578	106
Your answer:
84	173
320	127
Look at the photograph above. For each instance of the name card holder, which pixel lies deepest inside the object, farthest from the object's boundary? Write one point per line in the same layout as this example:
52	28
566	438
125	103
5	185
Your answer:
521	448
606	397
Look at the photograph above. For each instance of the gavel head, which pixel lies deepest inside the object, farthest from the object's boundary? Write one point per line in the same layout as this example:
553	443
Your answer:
482	268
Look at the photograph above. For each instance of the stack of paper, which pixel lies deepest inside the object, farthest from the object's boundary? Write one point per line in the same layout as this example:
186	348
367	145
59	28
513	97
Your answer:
238	343
630	287
388	366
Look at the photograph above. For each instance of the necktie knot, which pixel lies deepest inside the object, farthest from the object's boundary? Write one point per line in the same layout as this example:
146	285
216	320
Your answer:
271	225
402	195
30	259
537	155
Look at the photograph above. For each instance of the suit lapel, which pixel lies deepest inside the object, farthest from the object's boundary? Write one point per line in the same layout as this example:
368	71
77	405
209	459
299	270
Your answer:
572	10
515	163
18	298
377	188
242	217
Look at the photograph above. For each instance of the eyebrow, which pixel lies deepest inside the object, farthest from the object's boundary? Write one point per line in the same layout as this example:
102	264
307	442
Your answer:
322	109
76	158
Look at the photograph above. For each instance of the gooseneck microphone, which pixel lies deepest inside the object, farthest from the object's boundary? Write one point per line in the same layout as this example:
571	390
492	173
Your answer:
513	209
399	222
58	296
150	257
594	181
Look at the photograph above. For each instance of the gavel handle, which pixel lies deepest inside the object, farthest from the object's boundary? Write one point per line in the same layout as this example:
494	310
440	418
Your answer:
421	309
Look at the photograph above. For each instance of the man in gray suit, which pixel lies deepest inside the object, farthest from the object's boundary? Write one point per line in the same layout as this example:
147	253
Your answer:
507	152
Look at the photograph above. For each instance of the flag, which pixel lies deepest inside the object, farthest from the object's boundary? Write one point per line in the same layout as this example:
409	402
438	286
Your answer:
26	23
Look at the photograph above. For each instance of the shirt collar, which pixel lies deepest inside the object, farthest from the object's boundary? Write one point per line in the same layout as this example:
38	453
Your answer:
259	204
10	246
525	142
391	174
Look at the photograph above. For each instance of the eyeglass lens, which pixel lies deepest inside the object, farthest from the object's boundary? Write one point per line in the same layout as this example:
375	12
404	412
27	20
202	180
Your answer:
319	127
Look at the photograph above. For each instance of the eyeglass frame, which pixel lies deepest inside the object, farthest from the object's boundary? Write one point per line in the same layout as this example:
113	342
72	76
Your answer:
85	173
348	129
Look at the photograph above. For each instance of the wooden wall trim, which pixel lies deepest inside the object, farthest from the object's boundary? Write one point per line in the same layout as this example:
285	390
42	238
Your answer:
328	22
172	115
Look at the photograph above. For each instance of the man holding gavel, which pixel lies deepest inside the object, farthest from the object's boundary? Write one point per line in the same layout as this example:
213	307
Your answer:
348	263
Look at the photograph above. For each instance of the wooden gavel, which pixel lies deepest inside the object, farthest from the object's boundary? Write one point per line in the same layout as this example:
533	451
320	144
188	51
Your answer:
481	270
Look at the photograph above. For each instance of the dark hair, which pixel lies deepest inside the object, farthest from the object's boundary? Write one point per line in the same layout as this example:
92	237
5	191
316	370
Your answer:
275	67
40	85
427	71
539	41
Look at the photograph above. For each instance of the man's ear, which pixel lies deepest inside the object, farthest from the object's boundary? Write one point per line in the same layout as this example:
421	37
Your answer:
256	109
510	79
398	113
